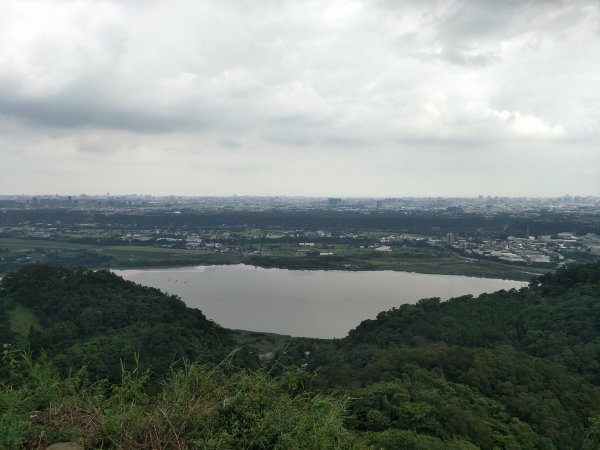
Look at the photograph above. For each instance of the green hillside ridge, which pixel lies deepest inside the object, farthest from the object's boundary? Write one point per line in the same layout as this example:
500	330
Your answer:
508	370
95	318
556	317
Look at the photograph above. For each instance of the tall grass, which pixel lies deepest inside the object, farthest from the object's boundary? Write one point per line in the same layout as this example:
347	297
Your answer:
193	407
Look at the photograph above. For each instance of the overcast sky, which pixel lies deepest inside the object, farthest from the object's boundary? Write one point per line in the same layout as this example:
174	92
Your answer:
344	98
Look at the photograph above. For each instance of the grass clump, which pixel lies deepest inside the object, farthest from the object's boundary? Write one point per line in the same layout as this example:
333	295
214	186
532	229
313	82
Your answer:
195	406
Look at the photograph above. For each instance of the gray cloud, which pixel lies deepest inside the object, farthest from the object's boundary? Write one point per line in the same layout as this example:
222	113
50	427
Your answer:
254	85
229	143
74	109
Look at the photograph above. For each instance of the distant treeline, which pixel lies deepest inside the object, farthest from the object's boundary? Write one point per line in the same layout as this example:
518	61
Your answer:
397	221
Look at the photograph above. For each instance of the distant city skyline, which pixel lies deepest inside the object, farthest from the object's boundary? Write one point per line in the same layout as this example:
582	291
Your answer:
351	98
566	199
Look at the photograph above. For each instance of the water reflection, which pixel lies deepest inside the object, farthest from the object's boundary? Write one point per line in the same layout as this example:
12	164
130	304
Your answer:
315	303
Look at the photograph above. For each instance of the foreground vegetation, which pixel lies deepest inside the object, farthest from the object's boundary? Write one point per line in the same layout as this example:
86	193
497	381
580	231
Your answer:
193	407
509	370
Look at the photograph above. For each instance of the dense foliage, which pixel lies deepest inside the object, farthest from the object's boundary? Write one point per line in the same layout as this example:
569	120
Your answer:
508	370
516	369
95	318
557	317
195	407
547	222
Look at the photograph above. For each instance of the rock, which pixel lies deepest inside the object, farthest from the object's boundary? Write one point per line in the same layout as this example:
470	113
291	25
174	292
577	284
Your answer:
39	417
65	446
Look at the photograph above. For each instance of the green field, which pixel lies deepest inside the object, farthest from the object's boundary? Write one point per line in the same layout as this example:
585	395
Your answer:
406	259
125	256
17	252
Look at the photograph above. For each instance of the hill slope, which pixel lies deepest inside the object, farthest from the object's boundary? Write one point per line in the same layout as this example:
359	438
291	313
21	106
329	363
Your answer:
556	317
516	369
508	370
96	318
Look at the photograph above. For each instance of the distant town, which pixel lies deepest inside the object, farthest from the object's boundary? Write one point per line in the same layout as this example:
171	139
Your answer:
480	204
482	236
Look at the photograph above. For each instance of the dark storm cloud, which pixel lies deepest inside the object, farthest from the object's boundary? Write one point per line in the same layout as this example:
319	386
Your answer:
88	103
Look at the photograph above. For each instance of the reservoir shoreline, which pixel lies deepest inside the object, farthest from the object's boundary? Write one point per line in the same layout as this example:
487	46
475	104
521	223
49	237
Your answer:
308	303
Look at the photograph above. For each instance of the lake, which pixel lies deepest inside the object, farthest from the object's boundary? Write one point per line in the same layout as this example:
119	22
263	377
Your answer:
311	303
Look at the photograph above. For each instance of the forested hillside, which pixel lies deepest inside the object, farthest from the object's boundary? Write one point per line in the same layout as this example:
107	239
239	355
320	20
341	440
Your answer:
508	370
95	318
557	317
517	369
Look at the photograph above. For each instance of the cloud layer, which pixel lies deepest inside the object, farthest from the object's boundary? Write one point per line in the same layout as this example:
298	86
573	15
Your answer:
349	98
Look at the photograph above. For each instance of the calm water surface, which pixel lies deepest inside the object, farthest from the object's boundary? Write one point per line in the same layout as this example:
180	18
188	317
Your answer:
312	303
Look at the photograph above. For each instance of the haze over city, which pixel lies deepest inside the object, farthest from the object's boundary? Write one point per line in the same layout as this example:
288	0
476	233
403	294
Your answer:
345	98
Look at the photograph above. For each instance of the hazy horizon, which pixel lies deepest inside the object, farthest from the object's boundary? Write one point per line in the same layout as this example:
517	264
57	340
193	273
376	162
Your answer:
351	98
318	196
